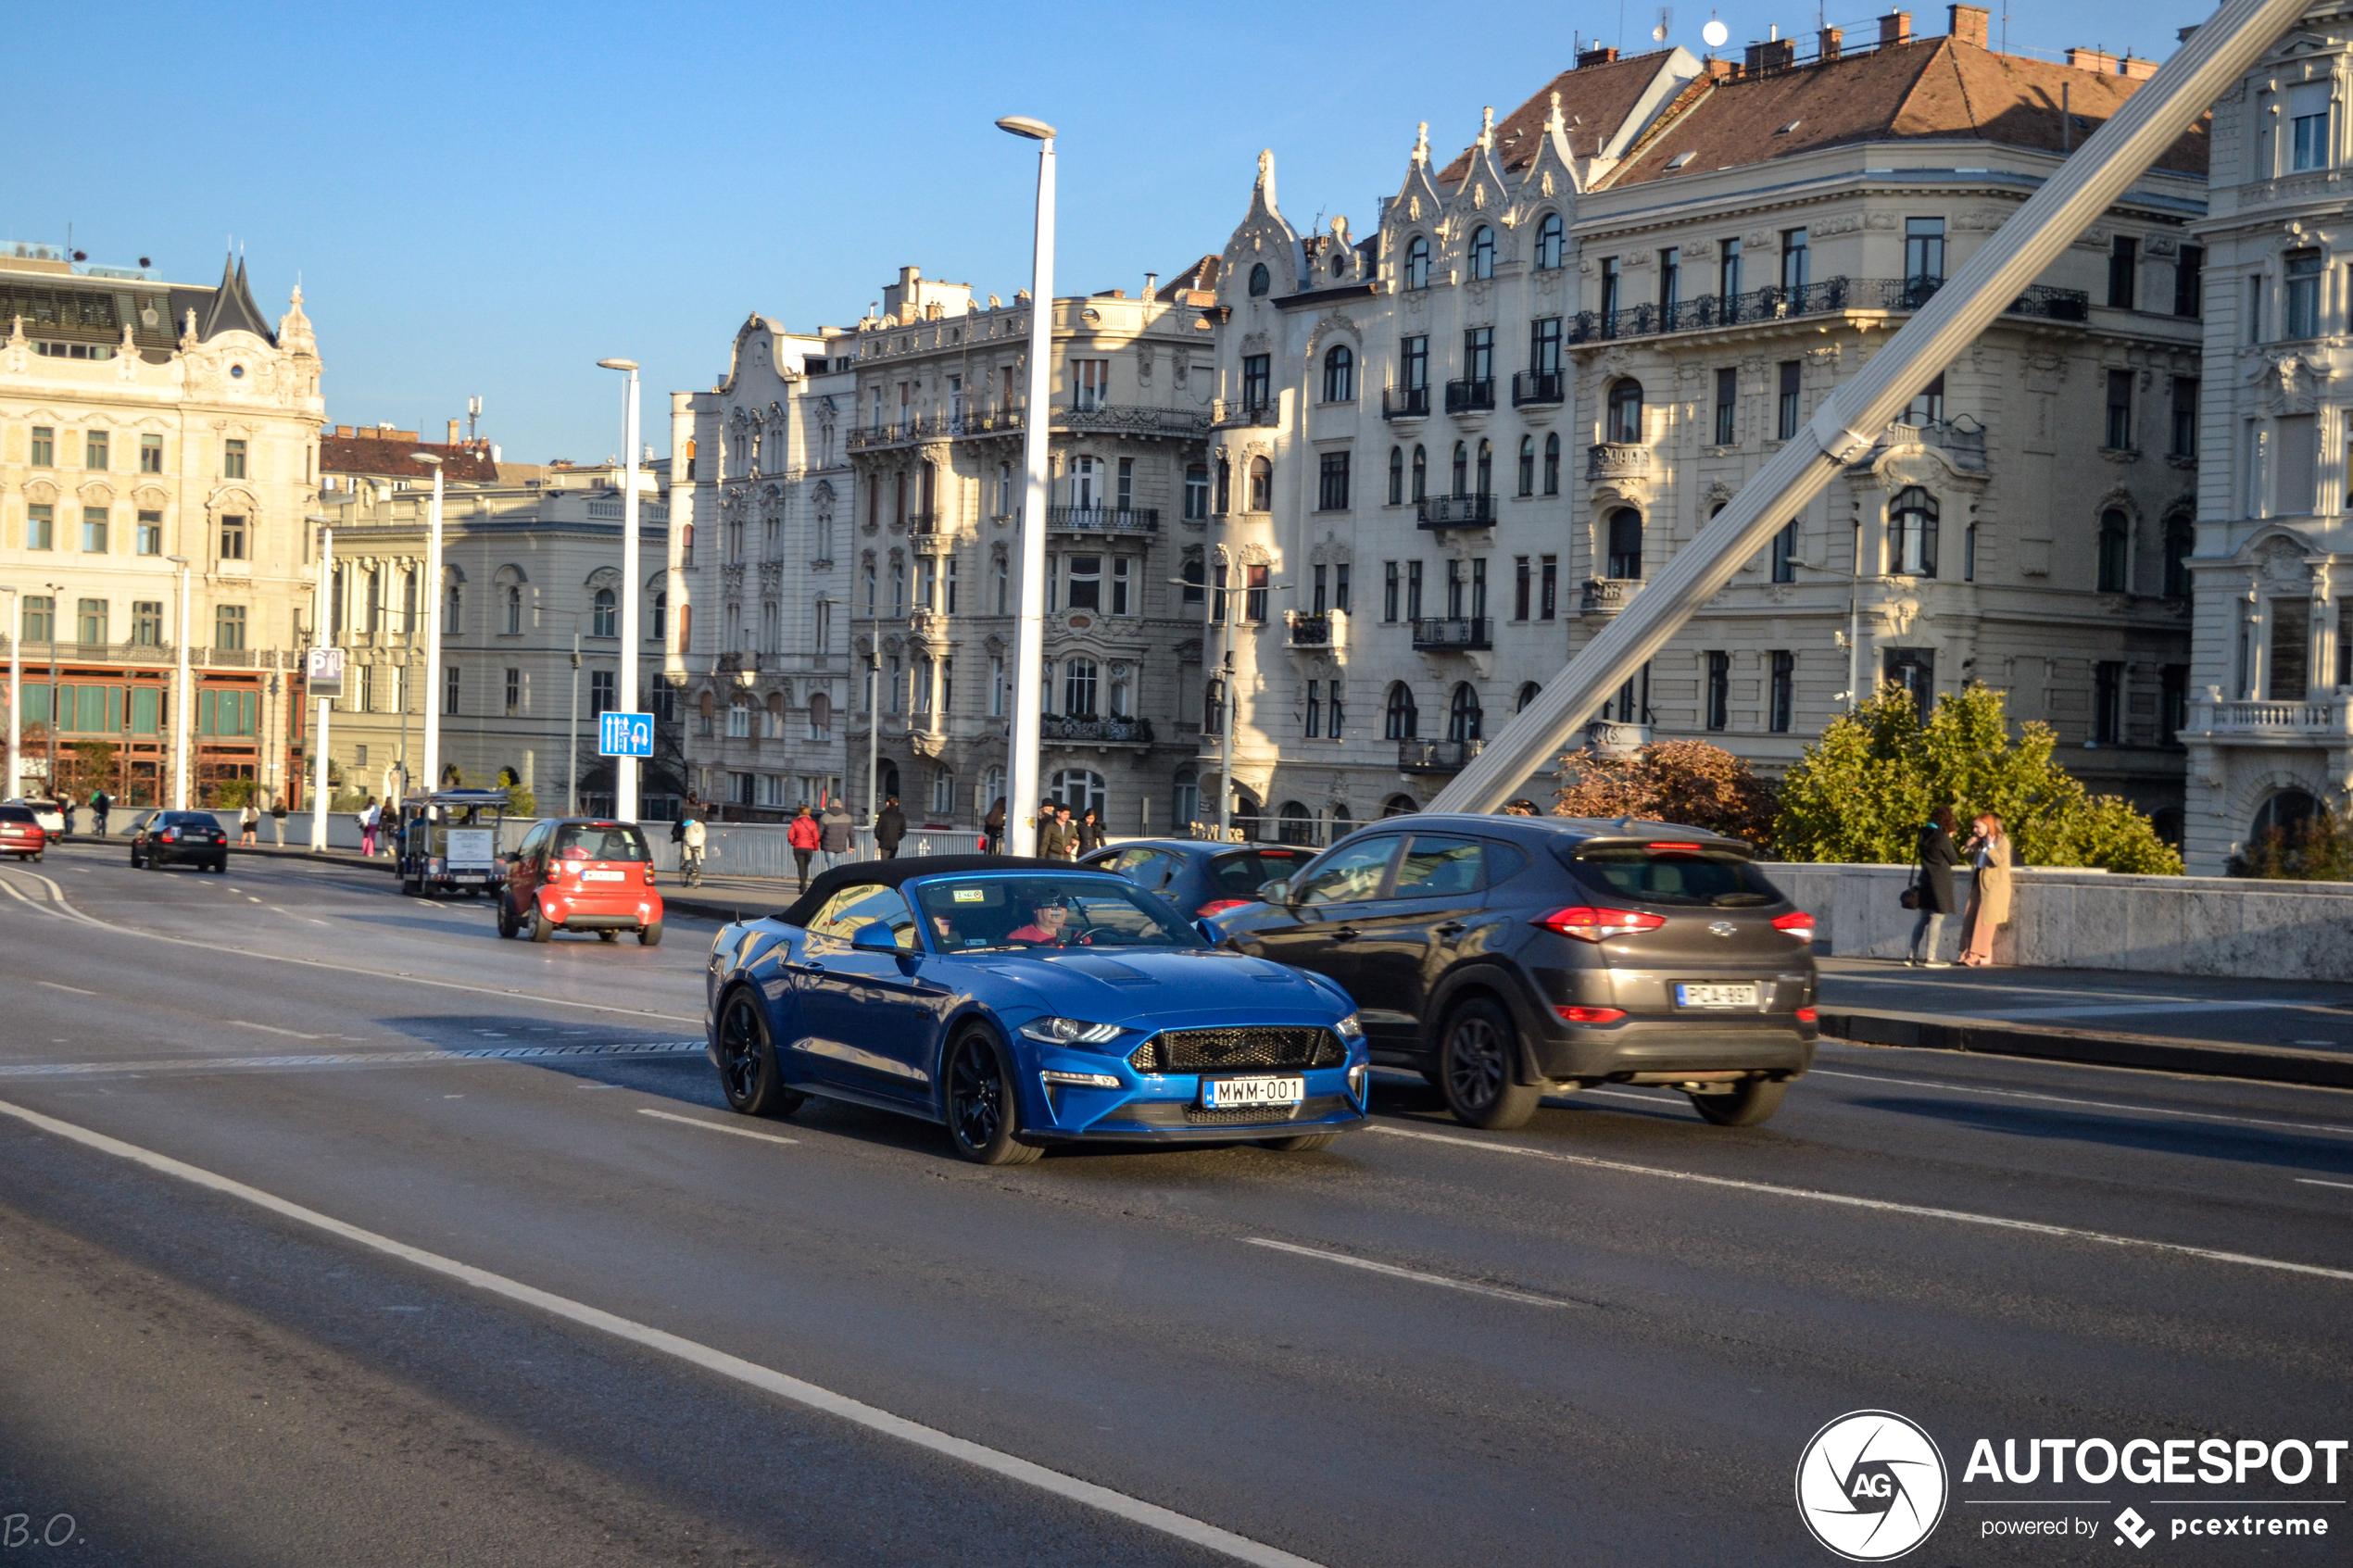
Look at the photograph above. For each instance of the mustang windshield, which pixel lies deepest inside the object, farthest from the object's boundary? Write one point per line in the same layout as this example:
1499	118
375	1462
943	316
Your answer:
1010	913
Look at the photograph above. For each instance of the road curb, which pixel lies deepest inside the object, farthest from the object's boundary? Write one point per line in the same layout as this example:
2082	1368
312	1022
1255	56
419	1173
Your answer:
2270	1064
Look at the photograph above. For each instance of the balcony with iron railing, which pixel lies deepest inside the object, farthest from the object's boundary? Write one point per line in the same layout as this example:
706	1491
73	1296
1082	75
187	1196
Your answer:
1537	386
1829	297
1102	520
1244	411
1606	595
1453	634
1617	459
1404	402
1960	438
934	427
1470	397
1315	631
1435	755
1130	418
1090	730
1456	511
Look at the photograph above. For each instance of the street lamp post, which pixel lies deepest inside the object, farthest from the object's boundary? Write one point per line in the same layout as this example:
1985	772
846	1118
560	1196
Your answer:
323	634
56	598
626	768
434	589
182	700
16	684
1029	630
572	731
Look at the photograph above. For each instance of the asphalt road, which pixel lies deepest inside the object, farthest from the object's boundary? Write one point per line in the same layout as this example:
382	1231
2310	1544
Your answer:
1604	1338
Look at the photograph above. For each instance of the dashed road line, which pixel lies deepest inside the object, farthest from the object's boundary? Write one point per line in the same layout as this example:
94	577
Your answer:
1474	1287
714	1126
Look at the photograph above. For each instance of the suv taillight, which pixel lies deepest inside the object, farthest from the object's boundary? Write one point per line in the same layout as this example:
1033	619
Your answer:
1588	924
1218	907
1797	922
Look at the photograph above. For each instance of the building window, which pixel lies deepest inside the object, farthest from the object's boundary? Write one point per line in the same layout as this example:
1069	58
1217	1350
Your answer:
1262	485
1613	284
1797	260
1625	542
90	622
1255	592
1331	482
1086	582
1218	608
1389	591
1923	258
1483	253
1784	691
148	534
514	690
1786	553
1315	709
1549	234
147	624
1625	419
151	453
1413	590
1340	587
1413	361
2180	543
1260	281
2308	126
229	627
1464	715
40	618
1421	474
1785	426
1522	579
1418	263
1089	385
1728	387
94	450
1552	463
2115	552
233	459
1911	535
2123	269
2120	410
2303	294
93	530
1461	470
233	537
1397	476
45	446
1339	375
39	527
1928	408
1257	379
2186	416
1197	493
601	614
1914	669
1548	588
2108	702
1486	467
2255	308
1398	718
2189	282
1528	465
1670	282
1719	689
1479	356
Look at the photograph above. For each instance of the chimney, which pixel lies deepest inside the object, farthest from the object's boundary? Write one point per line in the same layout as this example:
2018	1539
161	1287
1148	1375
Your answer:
1596	58
1776	54
1828	42
1151	284
2101	62
1894	28
453	433
1967	24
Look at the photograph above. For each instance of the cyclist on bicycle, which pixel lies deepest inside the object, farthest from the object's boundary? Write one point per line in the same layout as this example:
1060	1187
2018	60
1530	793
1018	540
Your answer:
690	842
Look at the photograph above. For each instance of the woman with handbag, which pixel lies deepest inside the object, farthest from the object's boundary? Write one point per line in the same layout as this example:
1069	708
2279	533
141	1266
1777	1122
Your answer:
1932	883
1989	892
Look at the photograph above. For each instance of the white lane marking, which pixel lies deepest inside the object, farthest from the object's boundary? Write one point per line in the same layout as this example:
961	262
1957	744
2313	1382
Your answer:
1884	1206
1501	1292
344	1058
267	1029
75	989
1152	1516
2316	1182
715	1126
2092	1104
284	910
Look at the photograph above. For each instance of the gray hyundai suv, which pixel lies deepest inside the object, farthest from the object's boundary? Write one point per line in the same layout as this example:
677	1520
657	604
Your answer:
1504	958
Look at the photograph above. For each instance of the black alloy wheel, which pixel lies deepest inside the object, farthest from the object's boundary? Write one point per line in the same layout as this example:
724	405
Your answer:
982	1104
1476	1066
1750	1101
749	1074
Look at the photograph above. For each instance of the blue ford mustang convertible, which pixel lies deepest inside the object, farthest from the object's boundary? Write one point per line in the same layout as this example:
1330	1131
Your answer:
1025	1002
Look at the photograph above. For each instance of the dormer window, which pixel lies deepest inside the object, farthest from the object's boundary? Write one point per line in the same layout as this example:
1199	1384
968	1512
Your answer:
1549	234
1260	281
1483	253
1678	160
1418	263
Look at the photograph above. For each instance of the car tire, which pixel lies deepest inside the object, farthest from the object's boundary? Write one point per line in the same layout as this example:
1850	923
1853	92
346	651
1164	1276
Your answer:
542	927
1475	1059
221	867
983	1107
508	924
749	1073
1754	1101
134	859
1299	1143
649	935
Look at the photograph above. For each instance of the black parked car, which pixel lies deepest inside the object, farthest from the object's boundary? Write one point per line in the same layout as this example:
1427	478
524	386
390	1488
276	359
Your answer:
1504	957
1200	877
161	838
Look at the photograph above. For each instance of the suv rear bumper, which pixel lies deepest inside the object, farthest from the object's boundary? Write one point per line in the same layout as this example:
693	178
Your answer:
1772	1046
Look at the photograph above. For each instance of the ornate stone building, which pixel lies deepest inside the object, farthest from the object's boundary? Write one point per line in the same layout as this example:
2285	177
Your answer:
938	447
142	419
1485	424
761	488
2270	739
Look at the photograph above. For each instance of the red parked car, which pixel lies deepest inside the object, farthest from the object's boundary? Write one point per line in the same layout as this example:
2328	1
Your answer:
21	834
582	874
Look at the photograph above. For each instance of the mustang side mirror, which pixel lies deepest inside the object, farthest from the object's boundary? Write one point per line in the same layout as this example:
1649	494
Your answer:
875	937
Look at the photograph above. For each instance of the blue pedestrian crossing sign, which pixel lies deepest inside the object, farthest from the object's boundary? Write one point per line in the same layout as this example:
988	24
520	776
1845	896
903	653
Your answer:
625	735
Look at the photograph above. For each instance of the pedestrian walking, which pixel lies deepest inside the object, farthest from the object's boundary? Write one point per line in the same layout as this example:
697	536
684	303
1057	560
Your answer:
992	829
1933	881
804	837
1057	836
369	815
891	829
835	835
278	821
1090	832
249	820
1989	891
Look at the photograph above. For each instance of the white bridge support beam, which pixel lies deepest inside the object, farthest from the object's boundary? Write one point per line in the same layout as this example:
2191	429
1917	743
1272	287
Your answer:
1851	419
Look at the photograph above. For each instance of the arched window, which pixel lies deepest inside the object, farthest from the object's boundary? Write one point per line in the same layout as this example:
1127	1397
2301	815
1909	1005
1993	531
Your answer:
1418	263
687	544
2115	551
1462	468
514	609
1483	253
1080	790
1421	474
1397	476
1625	412
600	614
1486	467
1339	375
1295	824
662	617
685	626
2180	543
739	719
1078	688
1625	542
1462	714
1552	464
1262	485
1528	465
1527	695
820	716
2283	817
1225	485
1260	281
1911	535
1400	806
1400	720
1339	824
1549	234
771	725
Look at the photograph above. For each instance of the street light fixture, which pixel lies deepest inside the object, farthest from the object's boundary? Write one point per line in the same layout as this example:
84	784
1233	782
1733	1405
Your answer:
625	768
181	701
1029	629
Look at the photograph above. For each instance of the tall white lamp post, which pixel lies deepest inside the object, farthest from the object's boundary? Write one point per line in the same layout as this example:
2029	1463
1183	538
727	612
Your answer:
625	768
436	589
323	635
1029	629
16	684
182	700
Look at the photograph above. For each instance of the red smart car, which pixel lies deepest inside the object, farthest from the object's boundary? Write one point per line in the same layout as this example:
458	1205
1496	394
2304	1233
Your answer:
582	874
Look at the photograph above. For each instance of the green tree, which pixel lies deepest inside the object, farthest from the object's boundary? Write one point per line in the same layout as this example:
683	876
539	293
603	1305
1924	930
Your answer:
1862	791
1677	781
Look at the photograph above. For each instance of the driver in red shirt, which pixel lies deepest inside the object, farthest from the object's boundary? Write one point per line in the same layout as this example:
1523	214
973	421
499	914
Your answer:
1048	921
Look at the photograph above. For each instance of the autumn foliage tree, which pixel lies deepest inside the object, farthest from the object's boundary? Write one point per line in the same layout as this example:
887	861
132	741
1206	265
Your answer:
1676	781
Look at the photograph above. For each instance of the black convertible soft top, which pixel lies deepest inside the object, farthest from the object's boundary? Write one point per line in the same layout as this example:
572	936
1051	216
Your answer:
890	873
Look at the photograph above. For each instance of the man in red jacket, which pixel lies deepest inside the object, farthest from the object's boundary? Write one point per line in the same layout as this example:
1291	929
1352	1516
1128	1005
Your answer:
803	835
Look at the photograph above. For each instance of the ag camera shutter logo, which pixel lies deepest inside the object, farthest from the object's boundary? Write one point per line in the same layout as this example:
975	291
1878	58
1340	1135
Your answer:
1871	1485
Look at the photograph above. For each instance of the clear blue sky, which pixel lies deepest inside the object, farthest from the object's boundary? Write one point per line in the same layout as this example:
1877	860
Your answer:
488	199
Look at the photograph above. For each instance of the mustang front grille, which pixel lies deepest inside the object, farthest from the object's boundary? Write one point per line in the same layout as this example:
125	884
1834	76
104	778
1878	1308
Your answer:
1227	1050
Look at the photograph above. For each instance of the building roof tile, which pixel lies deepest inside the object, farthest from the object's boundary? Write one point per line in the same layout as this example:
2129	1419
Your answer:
1595	100
368	454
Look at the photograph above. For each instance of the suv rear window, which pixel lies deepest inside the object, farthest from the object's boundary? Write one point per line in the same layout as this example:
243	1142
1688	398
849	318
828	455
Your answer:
1246	871
1712	878
602	841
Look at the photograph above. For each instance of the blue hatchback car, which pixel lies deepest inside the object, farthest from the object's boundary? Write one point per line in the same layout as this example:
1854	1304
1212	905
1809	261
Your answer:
1026	1002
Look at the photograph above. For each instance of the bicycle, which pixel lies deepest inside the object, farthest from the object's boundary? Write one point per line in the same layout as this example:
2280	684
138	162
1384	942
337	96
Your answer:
690	866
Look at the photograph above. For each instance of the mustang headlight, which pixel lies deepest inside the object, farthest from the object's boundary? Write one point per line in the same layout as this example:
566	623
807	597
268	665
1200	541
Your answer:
1349	1028
1071	1032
